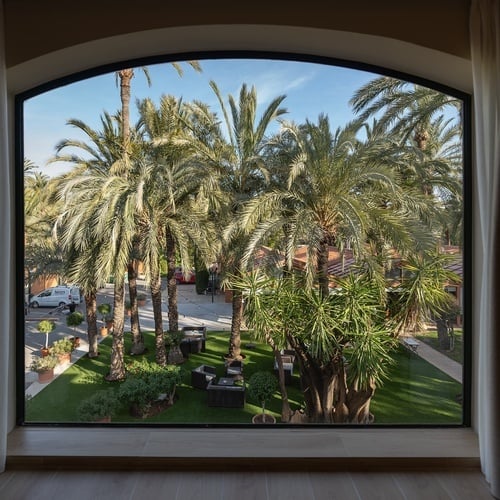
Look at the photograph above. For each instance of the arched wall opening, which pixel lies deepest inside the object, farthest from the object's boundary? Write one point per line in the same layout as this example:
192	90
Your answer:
395	56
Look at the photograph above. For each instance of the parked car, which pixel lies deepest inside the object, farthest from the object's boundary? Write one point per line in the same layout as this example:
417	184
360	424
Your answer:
181	278
56	296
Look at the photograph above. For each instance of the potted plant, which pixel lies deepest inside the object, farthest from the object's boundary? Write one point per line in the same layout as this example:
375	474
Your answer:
46	326
62	349
74	319
99	407
104	310
44	366
261	386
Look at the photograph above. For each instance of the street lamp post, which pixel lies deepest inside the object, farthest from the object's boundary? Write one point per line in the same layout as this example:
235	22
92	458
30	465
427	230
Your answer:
212	279
213	272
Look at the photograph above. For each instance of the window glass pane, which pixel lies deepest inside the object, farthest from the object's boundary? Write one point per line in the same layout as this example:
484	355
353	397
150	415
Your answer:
244	240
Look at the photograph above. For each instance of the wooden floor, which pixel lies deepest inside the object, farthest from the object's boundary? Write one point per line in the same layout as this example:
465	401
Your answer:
111	485
232	464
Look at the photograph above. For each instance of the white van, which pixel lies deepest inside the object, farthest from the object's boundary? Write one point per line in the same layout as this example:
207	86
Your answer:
56	296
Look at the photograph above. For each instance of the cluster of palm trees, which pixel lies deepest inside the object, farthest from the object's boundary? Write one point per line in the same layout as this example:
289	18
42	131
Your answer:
188	185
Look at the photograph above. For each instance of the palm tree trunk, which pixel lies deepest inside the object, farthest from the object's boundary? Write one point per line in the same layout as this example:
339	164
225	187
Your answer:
91	317
286	411
135	327
322	257
126	76
117	368
173	313
234	351
161	352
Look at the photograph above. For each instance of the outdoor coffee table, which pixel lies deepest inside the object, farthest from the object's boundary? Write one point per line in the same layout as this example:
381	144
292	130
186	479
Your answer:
225	381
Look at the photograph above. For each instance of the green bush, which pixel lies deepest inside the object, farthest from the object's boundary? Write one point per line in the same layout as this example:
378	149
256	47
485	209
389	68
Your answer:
261	386
74	319
104	310
46	326
62	346
146	382
43	364
103	403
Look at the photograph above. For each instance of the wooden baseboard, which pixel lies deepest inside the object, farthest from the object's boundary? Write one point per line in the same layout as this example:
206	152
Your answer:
341	450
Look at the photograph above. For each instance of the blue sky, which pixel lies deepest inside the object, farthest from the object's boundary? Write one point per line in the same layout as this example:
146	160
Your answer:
310	89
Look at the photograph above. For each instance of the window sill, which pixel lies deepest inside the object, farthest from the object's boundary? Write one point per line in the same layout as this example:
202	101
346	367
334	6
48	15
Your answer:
265	449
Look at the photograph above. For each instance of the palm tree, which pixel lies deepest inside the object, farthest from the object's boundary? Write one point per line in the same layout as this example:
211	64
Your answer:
243	174
338	194
43	256
125	78
403	106
422	296
98	199
172	186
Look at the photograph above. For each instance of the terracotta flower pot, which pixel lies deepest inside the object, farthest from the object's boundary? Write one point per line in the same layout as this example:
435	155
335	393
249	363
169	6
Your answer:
104	331
64	358
45	376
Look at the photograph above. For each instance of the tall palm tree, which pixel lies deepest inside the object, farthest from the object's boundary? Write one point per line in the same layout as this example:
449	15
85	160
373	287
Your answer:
95	192
125	77
172	186
43	255
337	193
243	174
402	105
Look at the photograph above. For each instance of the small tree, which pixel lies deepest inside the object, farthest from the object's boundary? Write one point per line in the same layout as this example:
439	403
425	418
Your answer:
74	319
261	386
46	326
104	310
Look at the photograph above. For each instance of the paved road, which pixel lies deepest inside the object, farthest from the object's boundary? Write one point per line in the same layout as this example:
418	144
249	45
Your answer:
200	310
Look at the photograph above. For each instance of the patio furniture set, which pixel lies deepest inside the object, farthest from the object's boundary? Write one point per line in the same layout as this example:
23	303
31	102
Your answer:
225	391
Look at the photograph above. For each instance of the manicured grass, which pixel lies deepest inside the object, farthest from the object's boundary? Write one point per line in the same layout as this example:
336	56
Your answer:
416	393
431	338
59	400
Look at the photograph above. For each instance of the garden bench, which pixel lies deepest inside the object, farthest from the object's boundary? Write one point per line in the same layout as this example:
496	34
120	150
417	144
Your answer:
410	343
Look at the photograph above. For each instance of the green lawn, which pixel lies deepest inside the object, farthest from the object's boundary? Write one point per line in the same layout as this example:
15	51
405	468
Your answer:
417	393
430	337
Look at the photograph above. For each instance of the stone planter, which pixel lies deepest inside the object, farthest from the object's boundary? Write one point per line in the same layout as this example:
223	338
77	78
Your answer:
263	419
